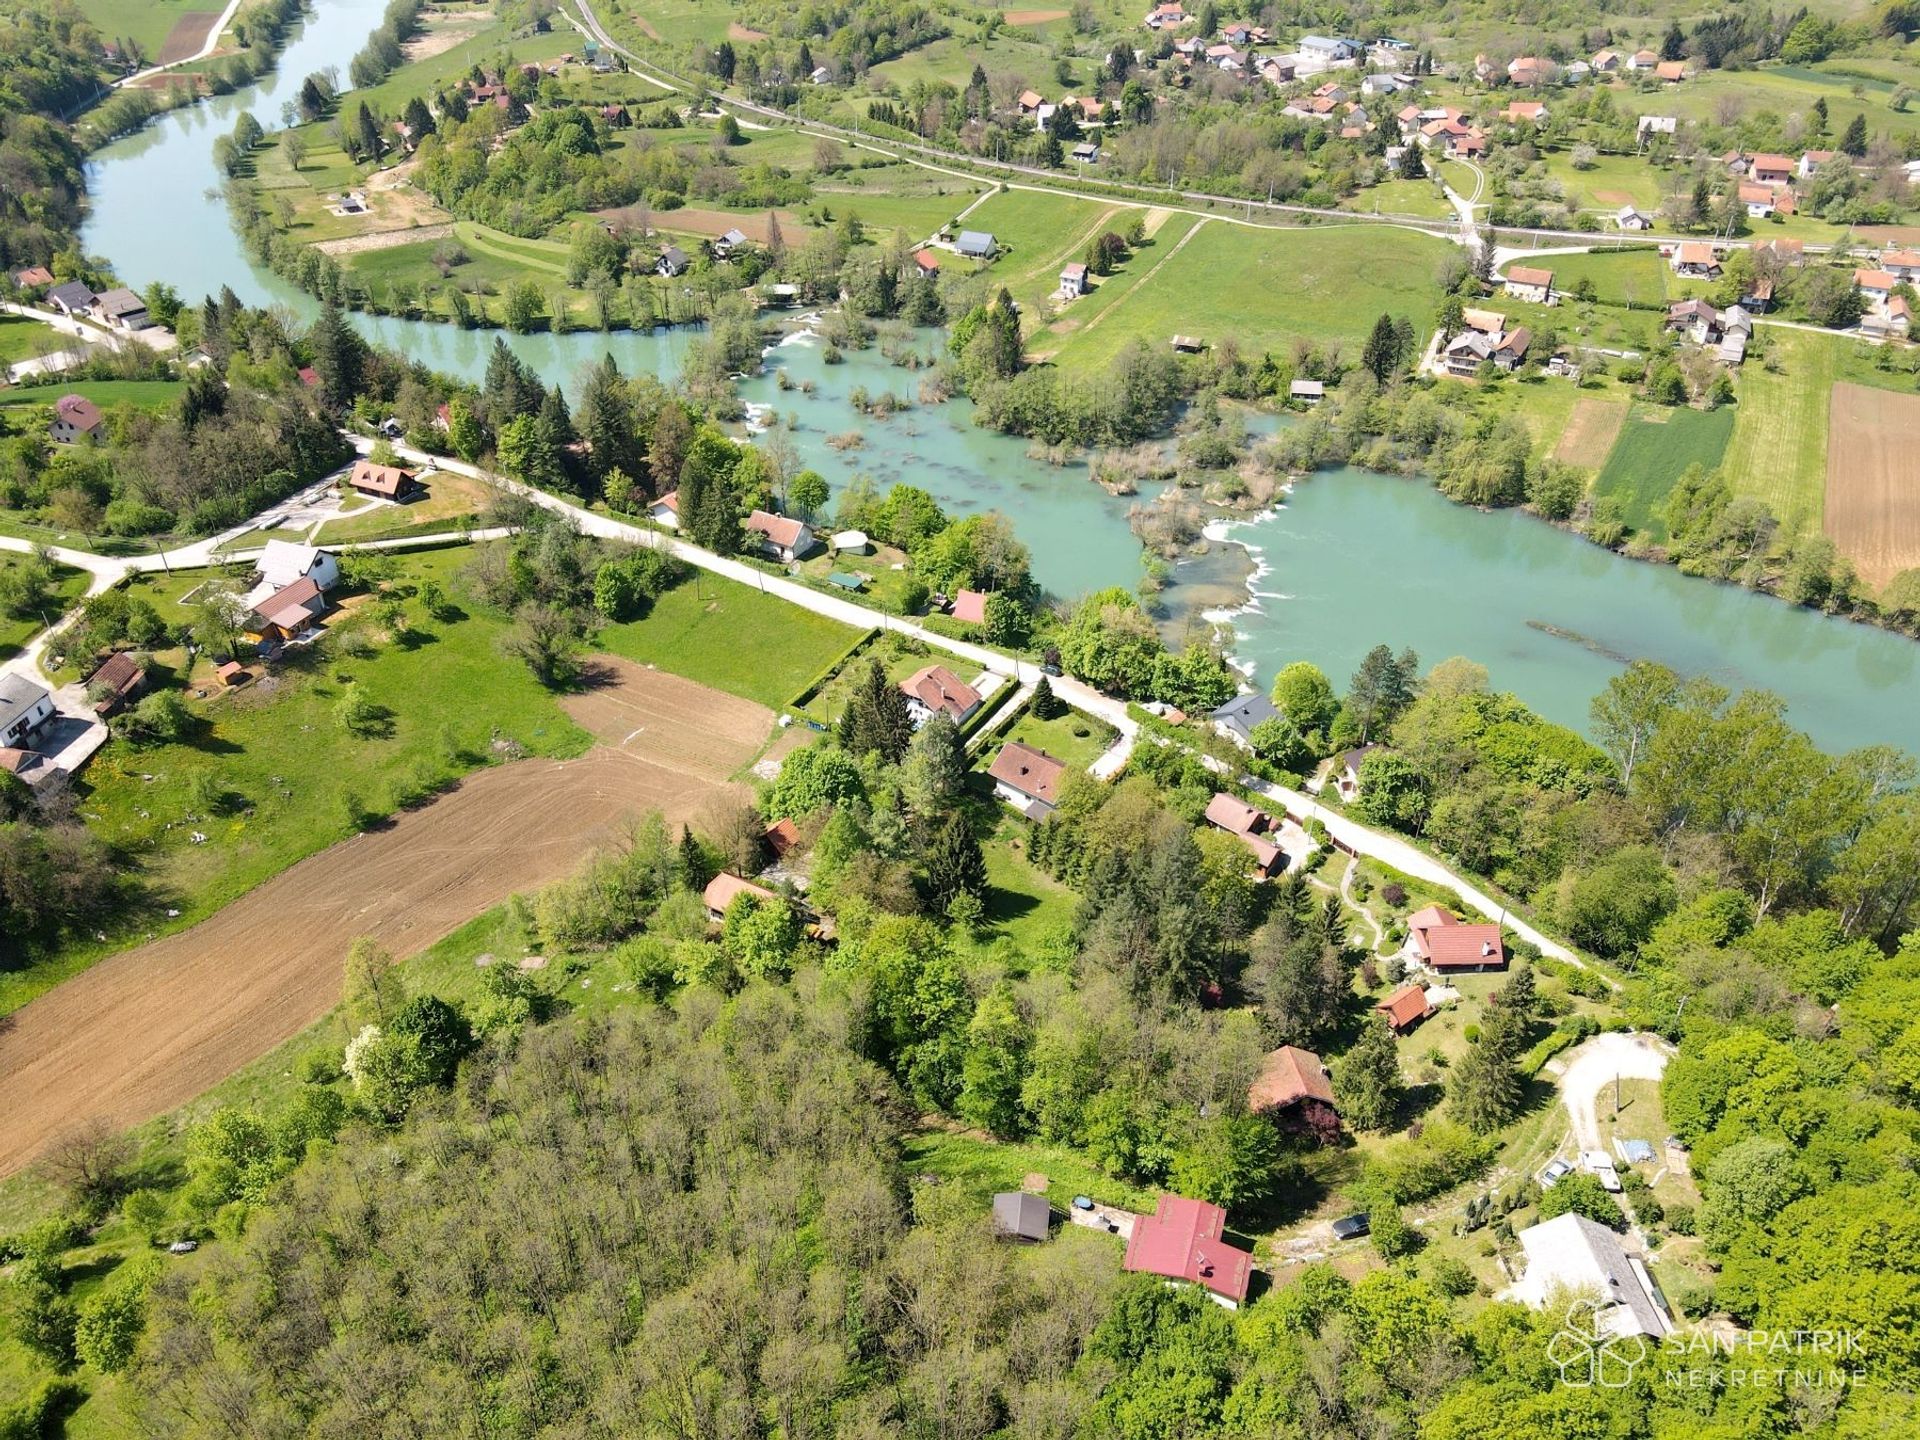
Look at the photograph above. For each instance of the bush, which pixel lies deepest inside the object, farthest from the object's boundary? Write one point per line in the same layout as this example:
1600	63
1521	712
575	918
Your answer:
1452	1277
1679	1219
1417	1168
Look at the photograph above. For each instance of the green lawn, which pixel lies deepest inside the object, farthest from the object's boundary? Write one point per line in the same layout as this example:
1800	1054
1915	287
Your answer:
1634	277
733	638
16	630
1401	197
449	499
1089	311
1024	903
1077	739
24	339
1038	233
1778	452
1267	287
982	1167
1655	445
146	394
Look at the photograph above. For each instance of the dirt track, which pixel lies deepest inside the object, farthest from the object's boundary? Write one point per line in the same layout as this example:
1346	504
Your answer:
152	1027
1873	480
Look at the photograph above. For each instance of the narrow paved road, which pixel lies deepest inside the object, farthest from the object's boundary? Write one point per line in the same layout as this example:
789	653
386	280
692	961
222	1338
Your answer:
207	48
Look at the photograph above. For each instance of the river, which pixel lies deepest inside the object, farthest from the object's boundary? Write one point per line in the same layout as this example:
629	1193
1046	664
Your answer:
1351	560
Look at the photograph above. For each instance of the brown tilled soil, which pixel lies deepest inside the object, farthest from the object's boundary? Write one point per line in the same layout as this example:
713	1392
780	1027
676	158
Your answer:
1873	480
692	220
1591	430
151	1028
186	37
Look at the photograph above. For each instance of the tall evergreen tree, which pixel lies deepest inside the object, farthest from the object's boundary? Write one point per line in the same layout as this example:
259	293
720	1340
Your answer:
1367	1081
607	423
1853	141
339	356
1487	1088
955	865
510	388
1381	356
876	717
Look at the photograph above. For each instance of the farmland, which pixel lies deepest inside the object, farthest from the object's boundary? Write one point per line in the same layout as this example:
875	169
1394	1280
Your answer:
1339	281
1655	445
155	1026
1778	452
1873	481
149	22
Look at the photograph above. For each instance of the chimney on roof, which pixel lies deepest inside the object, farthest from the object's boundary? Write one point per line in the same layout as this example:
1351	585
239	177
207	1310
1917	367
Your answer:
1486	947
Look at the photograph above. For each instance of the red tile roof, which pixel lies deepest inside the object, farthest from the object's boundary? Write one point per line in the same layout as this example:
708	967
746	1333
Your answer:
1289	1076
1185	1240
1032	772
782	836
309	376
938	688
970	607
926	260
783	530
1874	280
1444	943
34	275
1235	816
1404	1006
1528	275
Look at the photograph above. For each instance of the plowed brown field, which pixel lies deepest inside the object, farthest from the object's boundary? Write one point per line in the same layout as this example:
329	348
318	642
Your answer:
1873	480
152	1027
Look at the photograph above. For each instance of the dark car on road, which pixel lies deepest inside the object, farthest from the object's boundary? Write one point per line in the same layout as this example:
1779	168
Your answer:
1353	1227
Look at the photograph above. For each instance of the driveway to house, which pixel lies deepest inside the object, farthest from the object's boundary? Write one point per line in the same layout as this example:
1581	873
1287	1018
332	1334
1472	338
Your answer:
1591	1067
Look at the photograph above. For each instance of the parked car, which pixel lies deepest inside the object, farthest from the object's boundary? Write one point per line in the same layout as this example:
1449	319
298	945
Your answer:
183	1247
1353	1226
1555	1172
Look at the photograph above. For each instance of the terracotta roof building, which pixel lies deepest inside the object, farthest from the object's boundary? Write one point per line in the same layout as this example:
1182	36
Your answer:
388	482
1289	1077
1186	1240
970	607
1027	779
1405	1008
782	534
117	681
1438	939
936	688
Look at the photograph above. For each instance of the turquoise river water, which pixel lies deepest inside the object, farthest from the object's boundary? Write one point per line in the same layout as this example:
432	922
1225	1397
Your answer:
1353	559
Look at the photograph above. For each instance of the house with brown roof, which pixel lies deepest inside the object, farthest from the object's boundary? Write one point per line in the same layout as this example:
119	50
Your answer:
1027	779
1525	112
725	888
384	482
74	418
926	262
1671	71
1030	102
33	277
1405	1008
286	614
1346	771
1291	1080
1697	319
1529	71
1439	940
119	679
1901	264
781	837
1695	258
1605	62
1252	827
781	535
666	510
1643	60
1759	200
1771	169
1487	322
1529	283
934	689
1184	1241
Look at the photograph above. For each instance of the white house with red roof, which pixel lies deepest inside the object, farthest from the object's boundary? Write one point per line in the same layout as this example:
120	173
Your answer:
1027	779
934	690
1441	941
1184	1241
666	510
74	418
1252	827
781	535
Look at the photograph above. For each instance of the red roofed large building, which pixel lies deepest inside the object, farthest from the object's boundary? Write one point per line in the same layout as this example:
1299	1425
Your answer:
937	689
386	482
1438	940
726	888
1185	1240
